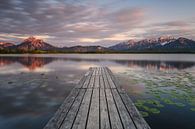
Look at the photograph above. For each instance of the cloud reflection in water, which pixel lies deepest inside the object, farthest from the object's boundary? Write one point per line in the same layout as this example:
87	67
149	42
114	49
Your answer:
32	87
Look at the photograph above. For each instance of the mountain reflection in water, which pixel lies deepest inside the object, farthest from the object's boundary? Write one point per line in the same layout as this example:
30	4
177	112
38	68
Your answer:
32	63
33	86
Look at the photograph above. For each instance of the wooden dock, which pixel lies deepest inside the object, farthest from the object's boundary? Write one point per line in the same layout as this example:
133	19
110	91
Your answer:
97	103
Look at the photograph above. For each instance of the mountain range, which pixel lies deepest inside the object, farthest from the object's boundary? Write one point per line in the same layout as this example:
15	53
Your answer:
161	44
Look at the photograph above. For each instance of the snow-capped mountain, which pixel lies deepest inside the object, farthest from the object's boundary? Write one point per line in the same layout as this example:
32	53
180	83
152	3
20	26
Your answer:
162	43
124	45
32	43
165	40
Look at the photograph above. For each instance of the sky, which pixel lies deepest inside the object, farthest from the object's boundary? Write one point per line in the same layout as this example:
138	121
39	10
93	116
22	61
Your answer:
95	22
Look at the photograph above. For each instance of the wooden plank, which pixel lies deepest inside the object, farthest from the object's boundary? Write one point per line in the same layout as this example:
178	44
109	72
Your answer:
114	116
101	82
93	119
97	71
125	117
100	72
56	121
91	84
97	102
97	81
110	81
138	120
106	85
115	81
94	69
104	116
101	79
82	81
69	119
135	115
81	118
123	113
88	78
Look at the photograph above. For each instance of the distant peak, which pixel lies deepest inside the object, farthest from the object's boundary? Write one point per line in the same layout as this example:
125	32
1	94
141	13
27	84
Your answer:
131	41
165	39
182	39
33	40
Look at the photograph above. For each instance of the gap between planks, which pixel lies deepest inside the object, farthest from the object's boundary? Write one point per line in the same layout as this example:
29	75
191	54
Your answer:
97	102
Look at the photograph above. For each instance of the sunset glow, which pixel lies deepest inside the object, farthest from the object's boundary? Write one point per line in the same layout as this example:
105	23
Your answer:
68	23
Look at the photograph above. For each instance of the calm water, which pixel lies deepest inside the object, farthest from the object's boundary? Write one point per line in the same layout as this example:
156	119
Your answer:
33	86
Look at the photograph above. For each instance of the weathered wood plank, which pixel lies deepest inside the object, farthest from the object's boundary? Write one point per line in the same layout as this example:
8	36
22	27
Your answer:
81	118
97	102
97	81
97	71
88	78
114	116
69	119
100	72
106	85
138	120
56	121
115	81
135	115
84	79
101	82
125	117
110	81
93	119
94	69
91	84
104	116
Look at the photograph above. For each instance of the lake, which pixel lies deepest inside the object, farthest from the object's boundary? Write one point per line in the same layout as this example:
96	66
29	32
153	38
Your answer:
162	86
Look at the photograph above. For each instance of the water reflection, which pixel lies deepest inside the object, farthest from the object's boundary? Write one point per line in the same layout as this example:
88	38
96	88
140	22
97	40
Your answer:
33	86
32	63
29	62
158	65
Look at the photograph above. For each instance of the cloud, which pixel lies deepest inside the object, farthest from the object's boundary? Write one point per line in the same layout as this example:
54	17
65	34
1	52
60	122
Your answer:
39	17
129	17
118	37
73	22
92	40
85	27
174	24
17	38
68	19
